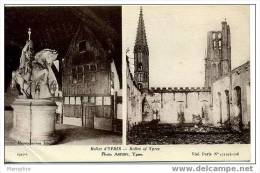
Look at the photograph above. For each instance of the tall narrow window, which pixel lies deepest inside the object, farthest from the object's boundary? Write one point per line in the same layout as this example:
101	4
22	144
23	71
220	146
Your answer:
219	44
214	35
214	44
82	46
219	35
140	67
140	77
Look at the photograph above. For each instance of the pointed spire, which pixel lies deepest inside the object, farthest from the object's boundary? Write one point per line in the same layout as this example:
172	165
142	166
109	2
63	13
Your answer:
141	35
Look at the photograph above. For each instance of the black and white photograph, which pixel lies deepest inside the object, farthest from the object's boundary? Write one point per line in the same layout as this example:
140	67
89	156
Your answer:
128	83
63	75
188	74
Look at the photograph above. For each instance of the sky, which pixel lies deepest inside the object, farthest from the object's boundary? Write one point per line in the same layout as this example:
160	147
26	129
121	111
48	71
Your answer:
177	36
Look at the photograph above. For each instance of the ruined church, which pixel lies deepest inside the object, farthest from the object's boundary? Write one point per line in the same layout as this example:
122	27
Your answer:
223	101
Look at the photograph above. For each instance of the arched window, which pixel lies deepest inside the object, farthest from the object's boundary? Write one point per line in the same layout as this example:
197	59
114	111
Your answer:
140	67
141	77
214	35
219	35
214	44
219	44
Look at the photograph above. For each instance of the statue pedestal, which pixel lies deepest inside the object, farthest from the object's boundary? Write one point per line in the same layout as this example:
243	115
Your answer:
34	121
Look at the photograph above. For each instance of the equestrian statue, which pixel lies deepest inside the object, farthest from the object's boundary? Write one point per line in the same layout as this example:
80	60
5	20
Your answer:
34	78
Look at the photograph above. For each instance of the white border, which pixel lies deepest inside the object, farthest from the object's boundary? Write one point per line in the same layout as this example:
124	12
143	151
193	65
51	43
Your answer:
124	167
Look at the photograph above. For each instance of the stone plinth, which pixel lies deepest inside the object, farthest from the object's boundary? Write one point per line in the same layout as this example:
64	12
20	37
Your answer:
34	121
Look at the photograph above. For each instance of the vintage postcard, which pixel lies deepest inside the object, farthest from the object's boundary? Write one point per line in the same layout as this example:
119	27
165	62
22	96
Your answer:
129	83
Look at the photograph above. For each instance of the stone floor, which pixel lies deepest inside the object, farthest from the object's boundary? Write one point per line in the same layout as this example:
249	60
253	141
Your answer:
157	134
71	135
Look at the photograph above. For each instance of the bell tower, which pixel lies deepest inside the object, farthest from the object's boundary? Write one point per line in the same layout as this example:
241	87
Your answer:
141	56
218	54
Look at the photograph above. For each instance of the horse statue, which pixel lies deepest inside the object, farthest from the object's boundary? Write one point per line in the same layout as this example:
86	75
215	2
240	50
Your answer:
36	82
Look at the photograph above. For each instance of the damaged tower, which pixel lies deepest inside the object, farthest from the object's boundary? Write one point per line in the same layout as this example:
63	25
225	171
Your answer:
218	54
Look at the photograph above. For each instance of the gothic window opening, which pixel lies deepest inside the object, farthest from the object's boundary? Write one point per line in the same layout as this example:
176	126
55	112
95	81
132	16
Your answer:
219	44
214	35
140	67
204	109
214	44
219	35
140	77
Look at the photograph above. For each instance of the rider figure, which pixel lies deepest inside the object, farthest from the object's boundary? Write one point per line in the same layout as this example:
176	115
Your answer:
26	58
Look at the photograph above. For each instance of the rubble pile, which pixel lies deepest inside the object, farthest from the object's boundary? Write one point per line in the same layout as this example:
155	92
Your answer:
155	134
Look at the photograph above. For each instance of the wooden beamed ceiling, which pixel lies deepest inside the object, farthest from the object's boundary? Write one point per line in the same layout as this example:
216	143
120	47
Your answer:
54	28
